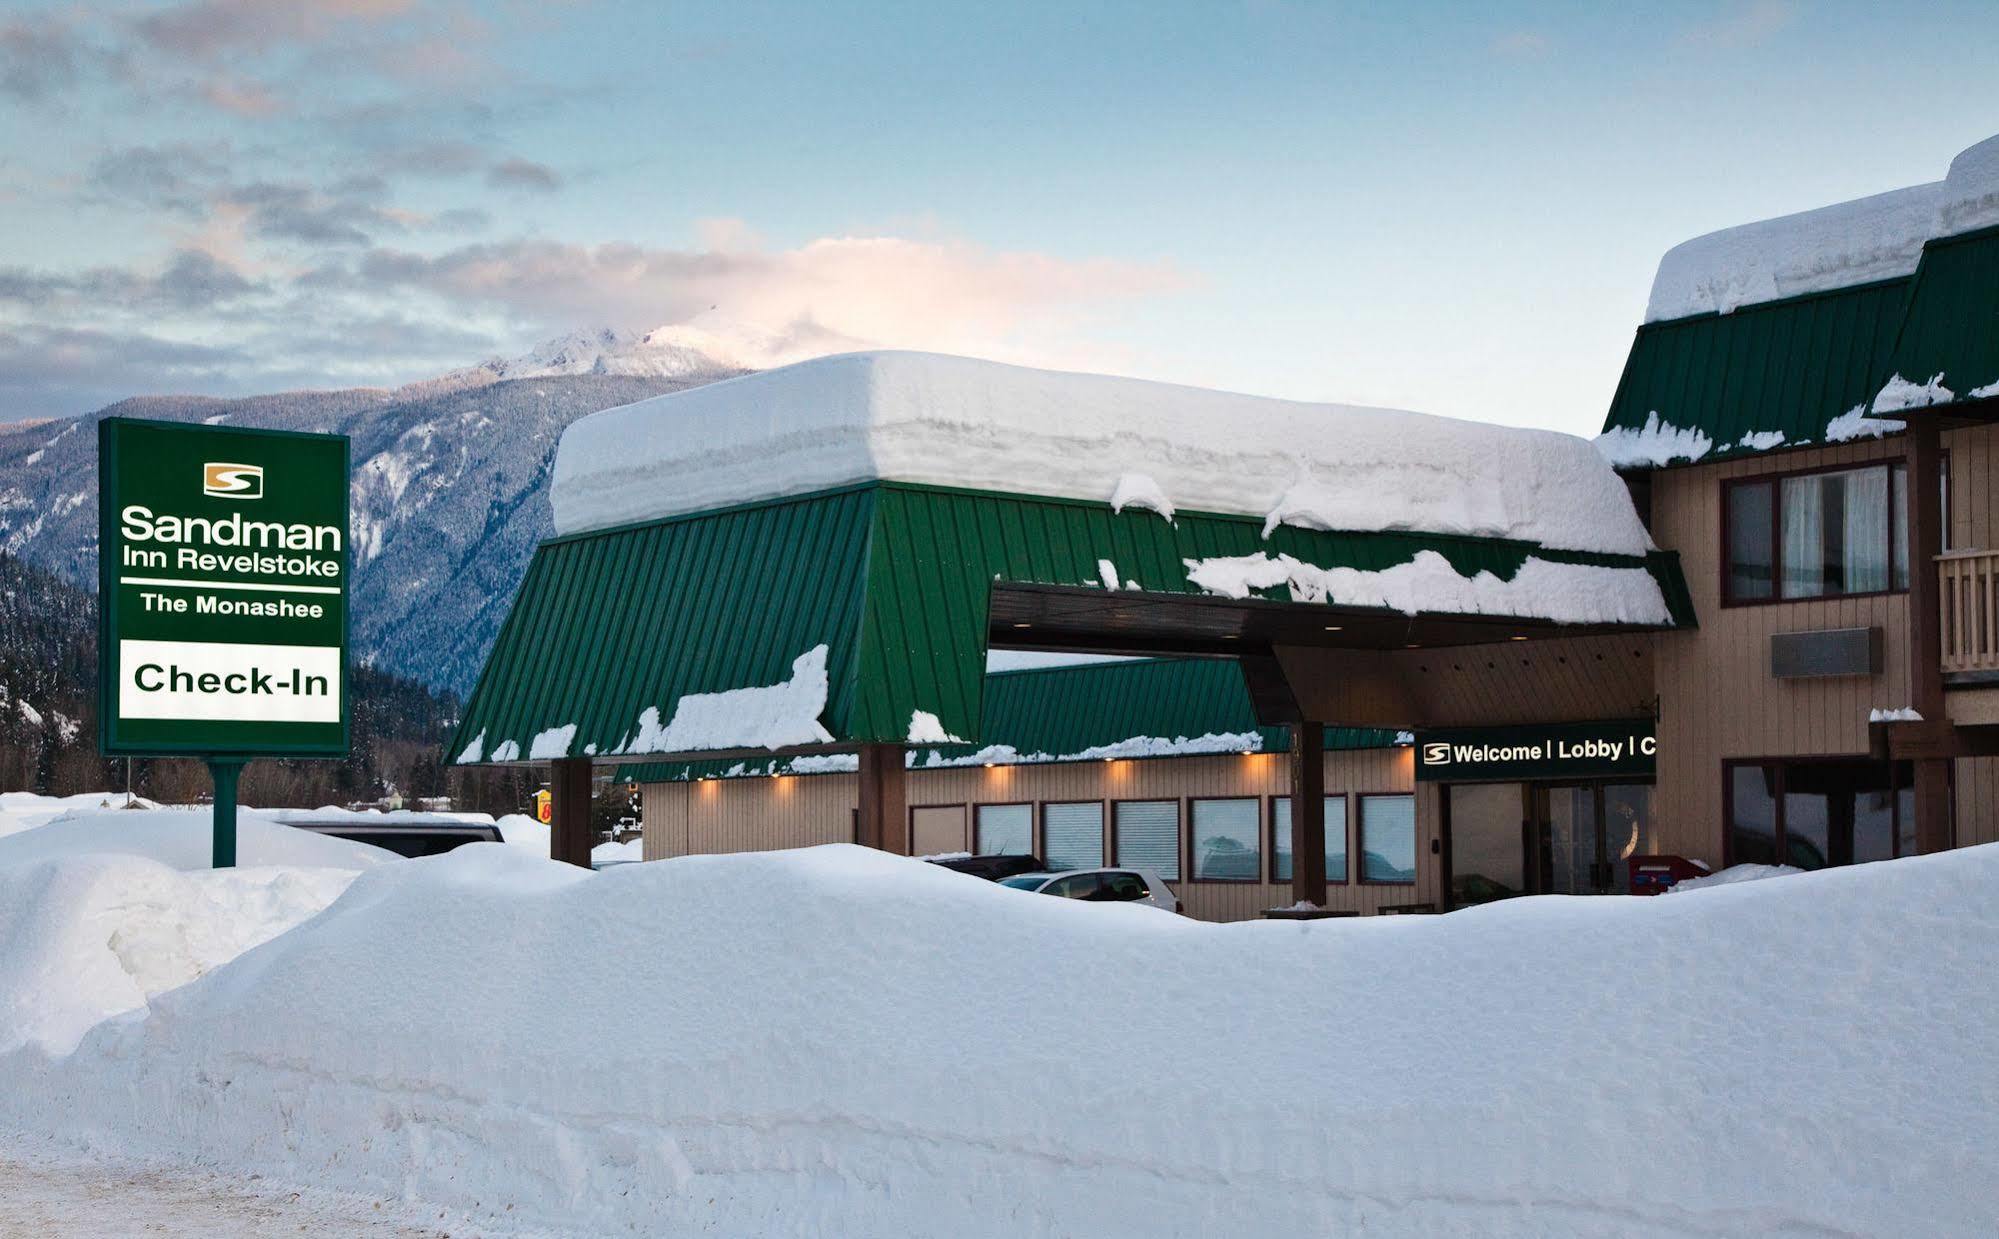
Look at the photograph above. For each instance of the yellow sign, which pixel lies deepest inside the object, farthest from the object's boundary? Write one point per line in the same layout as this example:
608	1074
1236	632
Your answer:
544	806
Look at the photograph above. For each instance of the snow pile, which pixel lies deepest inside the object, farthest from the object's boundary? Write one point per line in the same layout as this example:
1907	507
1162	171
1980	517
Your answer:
1543	589
420	1039
1880	237
26	810
1732	875
1137	490
85	938
918	417
768	717
1899	393
1900	714
1654	444
531	836
618	853
1855	424
184	839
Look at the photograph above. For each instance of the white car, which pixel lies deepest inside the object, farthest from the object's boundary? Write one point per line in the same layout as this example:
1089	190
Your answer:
1099	886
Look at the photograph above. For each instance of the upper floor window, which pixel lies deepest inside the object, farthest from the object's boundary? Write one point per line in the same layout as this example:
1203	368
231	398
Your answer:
1823	534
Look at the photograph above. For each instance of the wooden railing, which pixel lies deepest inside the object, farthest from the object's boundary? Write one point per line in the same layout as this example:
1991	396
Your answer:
1968	582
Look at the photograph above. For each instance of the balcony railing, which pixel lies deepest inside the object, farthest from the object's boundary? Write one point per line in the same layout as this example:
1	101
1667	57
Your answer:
1969	584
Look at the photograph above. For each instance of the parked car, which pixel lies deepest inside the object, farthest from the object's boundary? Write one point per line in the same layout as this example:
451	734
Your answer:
411	839
991	868
1099	886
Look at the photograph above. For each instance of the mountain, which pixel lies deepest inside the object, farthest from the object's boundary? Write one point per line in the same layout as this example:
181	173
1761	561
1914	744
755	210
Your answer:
449	487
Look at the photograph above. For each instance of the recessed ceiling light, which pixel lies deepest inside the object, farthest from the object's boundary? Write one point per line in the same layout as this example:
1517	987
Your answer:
1517	637
1413	645
1334	627
1023	624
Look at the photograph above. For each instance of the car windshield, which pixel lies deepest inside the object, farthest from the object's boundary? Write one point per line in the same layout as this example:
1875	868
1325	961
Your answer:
1024	881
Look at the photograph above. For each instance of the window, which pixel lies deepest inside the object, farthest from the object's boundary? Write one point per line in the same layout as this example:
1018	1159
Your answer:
1817	535
1226	843
1146	835
1816	814
1004	830
1080	886
1125	887
1336	839
1072	835
1388	839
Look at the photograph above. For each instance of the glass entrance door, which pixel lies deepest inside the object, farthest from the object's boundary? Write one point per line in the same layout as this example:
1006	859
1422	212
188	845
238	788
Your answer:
1587	833
1545	838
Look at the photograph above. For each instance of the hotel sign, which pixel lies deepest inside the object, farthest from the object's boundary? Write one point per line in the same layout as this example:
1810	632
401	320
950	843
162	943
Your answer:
1618	749
223	575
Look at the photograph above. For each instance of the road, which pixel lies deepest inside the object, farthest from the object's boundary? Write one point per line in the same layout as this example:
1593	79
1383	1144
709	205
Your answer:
45	1199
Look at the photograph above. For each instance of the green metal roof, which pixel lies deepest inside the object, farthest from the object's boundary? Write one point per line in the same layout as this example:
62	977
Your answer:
1786	367
1075	713
894	578
1951	328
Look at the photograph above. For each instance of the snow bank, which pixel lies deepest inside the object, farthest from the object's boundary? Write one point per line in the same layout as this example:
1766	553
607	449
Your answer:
184	839
770	716
86	938
1732	875
919	417
618	853
1797	1057
1879	237
26	810
519	830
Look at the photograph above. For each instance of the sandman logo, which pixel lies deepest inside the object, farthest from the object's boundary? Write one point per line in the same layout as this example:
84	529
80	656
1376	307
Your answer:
220	480
1437	754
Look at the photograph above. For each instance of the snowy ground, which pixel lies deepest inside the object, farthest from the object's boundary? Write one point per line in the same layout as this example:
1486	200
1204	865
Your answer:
836	1042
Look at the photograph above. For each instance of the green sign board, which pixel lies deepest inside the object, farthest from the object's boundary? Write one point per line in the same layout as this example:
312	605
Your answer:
223	572
1616	749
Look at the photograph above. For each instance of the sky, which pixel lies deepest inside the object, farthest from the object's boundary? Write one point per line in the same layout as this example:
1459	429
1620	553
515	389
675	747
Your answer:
1450	207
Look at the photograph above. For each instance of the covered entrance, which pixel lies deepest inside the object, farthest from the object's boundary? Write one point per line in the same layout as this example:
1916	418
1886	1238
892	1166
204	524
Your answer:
1552	810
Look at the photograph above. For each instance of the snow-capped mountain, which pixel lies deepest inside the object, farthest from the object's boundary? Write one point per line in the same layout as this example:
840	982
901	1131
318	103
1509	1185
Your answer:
449	486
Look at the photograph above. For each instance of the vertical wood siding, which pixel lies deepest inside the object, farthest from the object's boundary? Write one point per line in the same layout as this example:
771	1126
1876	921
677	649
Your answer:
741	815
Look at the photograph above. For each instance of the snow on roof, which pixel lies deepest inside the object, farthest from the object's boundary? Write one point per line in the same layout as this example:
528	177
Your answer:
1879	237
955	421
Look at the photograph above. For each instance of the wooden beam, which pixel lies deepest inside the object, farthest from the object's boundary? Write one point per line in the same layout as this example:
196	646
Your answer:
1927	741
1308	813
1924	447
884	804
1270	694
570	835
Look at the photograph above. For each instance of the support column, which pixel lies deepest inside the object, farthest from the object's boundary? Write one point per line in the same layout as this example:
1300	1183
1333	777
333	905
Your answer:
1923	442
570	835
1308	813
884	811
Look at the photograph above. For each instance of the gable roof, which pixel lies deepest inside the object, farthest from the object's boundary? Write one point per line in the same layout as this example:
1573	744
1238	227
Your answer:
1150	707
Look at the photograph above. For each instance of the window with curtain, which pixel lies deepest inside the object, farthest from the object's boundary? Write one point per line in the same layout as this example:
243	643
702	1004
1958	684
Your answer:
1388	839
1226	841
1817	535
1145	834
1072	835
1004	830
1336	839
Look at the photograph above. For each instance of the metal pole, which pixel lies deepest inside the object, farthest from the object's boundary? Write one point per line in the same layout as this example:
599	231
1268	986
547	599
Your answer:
224	771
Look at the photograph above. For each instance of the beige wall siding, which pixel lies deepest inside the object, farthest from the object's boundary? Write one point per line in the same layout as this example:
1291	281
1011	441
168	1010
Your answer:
1717	699
738	815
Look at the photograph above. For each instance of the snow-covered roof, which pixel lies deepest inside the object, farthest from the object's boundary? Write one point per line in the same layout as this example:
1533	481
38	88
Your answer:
955	421
1879	237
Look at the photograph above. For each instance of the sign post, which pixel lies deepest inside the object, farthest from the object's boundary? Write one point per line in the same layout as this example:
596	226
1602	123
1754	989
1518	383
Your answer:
222	598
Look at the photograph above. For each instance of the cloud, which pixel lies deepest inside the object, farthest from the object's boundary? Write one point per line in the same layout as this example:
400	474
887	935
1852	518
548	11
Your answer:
40	56
207	29
54	370
1746	25
514	172
190	280
835	292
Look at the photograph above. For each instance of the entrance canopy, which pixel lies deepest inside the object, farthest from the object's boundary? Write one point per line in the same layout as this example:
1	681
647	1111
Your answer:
861	613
